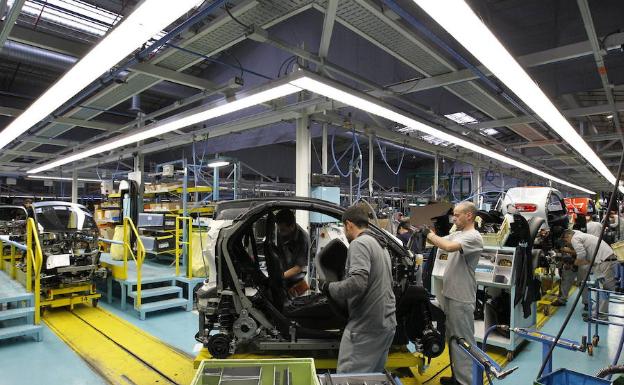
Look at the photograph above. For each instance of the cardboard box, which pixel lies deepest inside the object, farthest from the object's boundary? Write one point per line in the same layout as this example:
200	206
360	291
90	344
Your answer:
422	215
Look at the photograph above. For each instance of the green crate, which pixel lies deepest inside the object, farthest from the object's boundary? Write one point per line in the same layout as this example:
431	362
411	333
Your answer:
256	372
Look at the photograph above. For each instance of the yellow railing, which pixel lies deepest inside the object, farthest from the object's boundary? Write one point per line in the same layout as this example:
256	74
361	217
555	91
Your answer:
34	259
128	229
179	238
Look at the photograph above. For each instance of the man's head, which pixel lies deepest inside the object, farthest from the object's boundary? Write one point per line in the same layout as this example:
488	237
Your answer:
589	218
27	202
286	224
355	220
464	215
404	227
566	236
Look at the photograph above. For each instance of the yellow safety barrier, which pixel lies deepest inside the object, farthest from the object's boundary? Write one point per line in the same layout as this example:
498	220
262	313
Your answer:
180	242
34	259
128	229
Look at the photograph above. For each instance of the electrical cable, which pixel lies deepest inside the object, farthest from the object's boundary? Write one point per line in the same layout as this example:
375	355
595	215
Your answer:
357	143
334	157
612	200
437	374
279	71
383	156
227	9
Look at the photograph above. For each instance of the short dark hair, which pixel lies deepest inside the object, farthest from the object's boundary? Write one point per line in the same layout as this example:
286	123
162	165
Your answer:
285	217
405	225
356	215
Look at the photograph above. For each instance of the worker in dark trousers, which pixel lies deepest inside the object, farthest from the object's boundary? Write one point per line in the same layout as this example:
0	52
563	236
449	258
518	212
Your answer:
459	287
294	245
367	291
582	246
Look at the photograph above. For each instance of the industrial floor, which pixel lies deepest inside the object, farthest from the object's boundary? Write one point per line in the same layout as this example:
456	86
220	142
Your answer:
53	362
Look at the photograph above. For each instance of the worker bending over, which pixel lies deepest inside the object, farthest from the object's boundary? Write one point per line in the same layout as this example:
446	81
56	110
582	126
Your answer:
294	244
459	288
582	247
367	291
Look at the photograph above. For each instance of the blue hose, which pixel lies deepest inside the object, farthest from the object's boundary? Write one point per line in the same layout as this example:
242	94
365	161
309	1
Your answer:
616	358
488	332
334	157
383	156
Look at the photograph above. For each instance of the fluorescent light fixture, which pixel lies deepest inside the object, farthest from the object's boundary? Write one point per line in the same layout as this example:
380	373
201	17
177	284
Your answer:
458	19
188	118
297	82
349	98
149	18
218	163
489	131
609	116
461	118
63	178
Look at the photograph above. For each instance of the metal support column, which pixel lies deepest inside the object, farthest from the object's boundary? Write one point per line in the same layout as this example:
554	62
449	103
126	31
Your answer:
324	150
371	165
476	182
74	186
185	232
139	166
236	173
215	182
436	170
303	160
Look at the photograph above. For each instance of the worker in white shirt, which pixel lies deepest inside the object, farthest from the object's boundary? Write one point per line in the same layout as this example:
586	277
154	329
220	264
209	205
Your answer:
582	246
593	228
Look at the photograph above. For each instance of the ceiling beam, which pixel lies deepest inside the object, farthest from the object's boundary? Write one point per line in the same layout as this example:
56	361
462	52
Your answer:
48	41
174	76
554	55
574	112
8	111
328	27
11	18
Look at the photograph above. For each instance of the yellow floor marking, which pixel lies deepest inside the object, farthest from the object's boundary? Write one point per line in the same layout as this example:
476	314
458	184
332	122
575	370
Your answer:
91	332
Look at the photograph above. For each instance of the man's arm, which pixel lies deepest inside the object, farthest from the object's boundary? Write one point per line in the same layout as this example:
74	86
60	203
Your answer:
357	277
302	256
443	243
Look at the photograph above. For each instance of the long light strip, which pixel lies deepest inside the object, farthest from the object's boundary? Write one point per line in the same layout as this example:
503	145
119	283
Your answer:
374	108
464	25
176	123
63	178
148	19
300	82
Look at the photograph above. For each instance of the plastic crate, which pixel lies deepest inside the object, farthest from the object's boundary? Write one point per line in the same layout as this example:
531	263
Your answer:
618	249
256	371
569	377
494	239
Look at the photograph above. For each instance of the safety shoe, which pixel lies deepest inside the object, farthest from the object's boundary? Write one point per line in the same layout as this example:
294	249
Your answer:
448	381
559	302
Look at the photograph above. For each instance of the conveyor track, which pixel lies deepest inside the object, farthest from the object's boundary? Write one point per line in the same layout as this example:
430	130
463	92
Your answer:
119	351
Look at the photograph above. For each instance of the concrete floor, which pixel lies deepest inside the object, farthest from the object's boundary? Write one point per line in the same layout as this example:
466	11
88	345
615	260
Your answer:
52	362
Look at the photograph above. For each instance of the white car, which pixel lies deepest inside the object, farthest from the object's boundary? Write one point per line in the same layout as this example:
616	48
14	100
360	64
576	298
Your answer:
530	202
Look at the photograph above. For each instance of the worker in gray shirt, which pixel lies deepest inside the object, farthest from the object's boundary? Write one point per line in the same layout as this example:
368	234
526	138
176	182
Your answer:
367	291
593	228
582	246
459	287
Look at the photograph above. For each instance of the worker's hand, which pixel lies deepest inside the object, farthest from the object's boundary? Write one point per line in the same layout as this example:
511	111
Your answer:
581	262
426	230
323	286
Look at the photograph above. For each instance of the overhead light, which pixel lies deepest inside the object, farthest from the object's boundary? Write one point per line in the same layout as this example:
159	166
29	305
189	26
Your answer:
149	18
188	118
218	163
609	116
461	118
375	107
297	82
63	178
458	19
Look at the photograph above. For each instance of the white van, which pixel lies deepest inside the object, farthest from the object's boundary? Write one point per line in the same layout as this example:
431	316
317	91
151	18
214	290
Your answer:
544	202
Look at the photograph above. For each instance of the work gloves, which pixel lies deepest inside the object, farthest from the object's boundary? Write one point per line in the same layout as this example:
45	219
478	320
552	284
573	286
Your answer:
323	286
425	231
